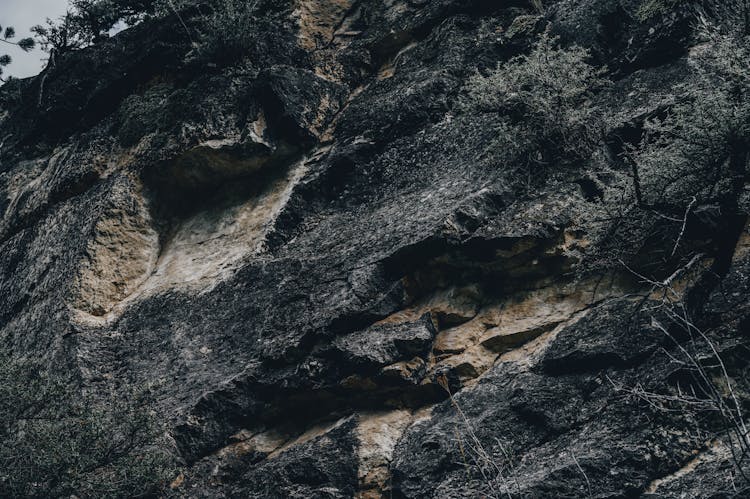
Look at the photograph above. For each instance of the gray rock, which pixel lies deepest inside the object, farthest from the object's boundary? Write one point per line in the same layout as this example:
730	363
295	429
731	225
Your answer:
275	244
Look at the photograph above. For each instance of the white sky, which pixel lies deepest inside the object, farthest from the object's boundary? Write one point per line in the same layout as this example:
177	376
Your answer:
22	15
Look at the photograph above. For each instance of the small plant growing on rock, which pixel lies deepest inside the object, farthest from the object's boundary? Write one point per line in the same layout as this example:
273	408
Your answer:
708	388
60	36
226	31
498	476
699	147
57	443
89	22
650	9
690	167
688	159
545	100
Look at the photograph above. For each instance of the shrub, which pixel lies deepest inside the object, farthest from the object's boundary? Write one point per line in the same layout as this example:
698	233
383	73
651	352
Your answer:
58	443
699	147
650	9
730	17
689	162
545	101
226	31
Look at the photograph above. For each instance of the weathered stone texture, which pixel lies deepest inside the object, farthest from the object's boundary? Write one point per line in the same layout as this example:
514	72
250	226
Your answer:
306	251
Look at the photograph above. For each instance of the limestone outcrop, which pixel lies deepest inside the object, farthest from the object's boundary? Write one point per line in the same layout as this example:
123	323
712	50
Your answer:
328	287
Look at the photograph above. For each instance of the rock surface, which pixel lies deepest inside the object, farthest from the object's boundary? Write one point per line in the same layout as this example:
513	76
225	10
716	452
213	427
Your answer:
331	291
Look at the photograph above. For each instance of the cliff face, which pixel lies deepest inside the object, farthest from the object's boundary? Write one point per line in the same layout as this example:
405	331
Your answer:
305	251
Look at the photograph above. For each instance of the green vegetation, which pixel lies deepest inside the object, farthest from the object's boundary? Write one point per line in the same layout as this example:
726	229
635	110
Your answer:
55	442
699	147
59	37
687	160
89	21
545	101
694	154
226	31
7	36
650	9
218	29
685	164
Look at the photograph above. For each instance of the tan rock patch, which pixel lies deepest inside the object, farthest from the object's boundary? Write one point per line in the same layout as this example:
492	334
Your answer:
743	245
319	20
469	364
121	255
470	349
378	434
125	260
245	443
457	339
448	307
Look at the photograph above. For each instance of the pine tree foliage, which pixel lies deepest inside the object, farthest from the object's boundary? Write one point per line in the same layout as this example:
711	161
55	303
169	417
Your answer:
89	21
60	36
7	36
217	29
